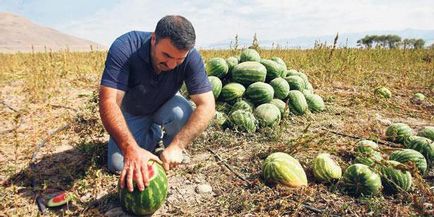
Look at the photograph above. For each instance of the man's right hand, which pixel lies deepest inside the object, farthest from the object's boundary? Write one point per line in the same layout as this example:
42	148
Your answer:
136	168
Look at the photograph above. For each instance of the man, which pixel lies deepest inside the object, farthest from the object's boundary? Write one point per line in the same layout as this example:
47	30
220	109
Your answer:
139	92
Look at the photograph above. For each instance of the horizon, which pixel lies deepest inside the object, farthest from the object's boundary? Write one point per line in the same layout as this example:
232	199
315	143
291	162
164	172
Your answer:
103	21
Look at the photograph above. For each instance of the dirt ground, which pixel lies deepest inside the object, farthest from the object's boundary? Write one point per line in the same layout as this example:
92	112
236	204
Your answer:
60	145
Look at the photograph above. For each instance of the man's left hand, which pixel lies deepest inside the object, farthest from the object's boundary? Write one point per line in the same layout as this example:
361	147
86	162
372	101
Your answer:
171	156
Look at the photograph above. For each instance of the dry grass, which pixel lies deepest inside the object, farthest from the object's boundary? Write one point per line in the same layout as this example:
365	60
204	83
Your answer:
43	92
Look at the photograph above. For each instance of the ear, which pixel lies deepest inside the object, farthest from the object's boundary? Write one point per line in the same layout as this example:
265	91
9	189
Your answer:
153	39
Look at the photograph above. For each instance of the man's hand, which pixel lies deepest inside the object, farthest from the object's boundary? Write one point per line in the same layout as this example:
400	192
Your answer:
171	156
136	168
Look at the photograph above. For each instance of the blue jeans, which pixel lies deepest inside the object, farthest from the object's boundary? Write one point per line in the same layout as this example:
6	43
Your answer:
172	116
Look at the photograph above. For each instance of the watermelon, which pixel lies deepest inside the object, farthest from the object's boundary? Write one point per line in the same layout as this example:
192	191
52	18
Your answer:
280	87
281	63
217	67
394	177
293	72
423	145
427	132
295	82
259	93
410	155
358	180
282	168
243	121
223	107
274	70
60	199
232	92
325	169
315	103
220	120
369	158
296	102
366	143
148	201
309	87
242	105
383	92
232	62
216	84
249	72
418	98
398	132
268	115
281	105
249	55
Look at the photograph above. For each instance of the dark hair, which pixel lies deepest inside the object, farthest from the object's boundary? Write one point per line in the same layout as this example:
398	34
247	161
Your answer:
178	29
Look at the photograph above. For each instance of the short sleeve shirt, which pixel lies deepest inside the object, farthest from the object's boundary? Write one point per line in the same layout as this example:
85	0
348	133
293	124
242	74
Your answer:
128	67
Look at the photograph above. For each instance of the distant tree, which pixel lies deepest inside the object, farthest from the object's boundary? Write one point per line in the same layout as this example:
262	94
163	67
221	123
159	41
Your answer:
367	41
419	43
393	40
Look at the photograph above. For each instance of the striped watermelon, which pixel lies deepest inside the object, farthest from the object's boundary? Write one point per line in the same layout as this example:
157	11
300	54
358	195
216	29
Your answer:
232	92
398	132
394	177
281	105
410	155
217	67
423	145
223	107
259	93
146	202
358	180
243	121
249	55
295	82
216	84
232	62
242	105
268	115
249	72
427	132
282	168
315	103
325	168
383	92
297	103
281	88
274	70
281	63
366	143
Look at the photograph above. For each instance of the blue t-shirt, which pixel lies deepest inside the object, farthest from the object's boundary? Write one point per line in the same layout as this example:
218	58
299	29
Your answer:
128	67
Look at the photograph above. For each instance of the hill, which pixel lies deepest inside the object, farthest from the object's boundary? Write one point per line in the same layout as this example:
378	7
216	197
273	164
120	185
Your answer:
18	34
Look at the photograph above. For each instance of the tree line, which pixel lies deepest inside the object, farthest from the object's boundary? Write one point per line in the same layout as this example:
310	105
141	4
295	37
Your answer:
390	41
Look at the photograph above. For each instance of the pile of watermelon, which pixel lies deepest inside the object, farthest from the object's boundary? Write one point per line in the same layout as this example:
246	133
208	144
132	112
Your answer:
371	171
252	92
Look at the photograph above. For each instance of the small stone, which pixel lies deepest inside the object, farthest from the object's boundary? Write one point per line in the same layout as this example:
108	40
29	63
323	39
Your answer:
101	194
203	188
86	197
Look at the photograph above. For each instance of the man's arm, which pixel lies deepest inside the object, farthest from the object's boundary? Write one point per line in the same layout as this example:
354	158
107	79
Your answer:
135	158
196	124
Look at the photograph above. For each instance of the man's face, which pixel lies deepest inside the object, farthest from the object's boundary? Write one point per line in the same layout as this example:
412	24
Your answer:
165	56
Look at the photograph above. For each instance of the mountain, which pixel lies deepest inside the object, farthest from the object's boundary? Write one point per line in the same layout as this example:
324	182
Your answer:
345	39
18	34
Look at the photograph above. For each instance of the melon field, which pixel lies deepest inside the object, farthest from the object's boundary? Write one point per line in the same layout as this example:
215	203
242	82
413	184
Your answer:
52	139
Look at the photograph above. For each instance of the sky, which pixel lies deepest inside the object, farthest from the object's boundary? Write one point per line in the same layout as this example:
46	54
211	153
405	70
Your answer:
103	21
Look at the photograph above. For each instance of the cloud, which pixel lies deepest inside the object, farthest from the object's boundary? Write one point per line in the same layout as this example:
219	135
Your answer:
270	19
